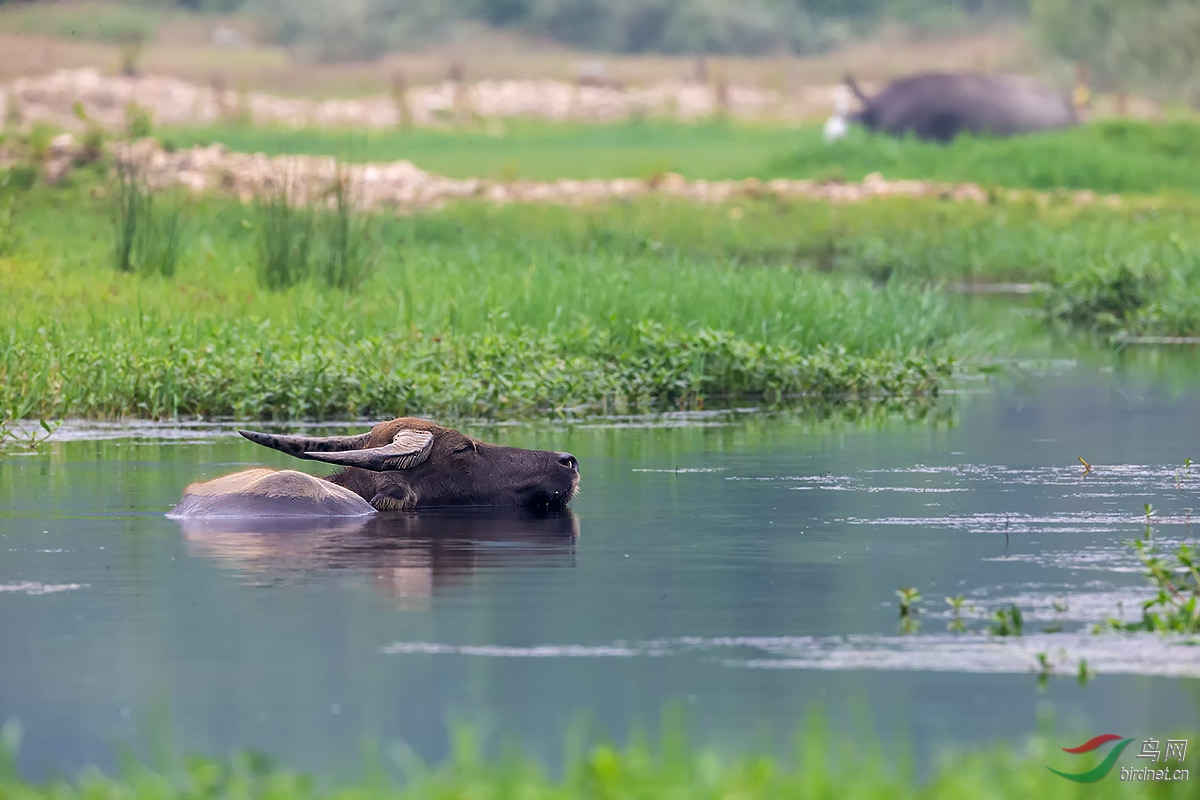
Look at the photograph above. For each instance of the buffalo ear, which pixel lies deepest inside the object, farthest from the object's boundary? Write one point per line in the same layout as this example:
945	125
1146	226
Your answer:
395	497
409	447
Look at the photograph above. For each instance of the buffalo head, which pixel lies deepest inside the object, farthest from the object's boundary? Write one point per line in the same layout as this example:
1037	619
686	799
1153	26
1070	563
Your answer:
410	463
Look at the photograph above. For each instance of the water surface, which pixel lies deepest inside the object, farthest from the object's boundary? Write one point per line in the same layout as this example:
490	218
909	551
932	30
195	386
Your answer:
742	565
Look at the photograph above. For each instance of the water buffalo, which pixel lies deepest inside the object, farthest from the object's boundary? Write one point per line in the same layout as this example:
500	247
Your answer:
401	465
939	106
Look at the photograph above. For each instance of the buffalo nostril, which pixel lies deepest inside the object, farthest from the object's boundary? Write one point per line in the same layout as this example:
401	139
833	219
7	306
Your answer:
568	461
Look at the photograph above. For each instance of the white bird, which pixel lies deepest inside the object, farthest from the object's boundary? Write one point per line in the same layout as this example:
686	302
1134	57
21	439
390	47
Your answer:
836	126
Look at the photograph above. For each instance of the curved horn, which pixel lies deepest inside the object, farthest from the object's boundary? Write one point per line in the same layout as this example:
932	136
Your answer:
300	446
408	449
853	86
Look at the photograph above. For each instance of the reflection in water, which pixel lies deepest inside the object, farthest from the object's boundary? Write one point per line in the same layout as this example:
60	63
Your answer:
407	556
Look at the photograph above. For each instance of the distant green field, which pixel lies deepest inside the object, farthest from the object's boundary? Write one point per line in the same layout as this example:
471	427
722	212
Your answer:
483	310
1107	156
527	149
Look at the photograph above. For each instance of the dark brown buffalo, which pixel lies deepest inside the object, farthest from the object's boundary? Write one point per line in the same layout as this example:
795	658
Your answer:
940	106
401	465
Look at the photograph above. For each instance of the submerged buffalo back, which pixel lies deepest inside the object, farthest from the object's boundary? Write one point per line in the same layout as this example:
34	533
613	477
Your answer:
269	493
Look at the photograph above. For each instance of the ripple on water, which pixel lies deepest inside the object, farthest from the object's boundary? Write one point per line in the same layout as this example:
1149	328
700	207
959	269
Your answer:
683	469
1140	654
1062	604
1114	479
34	587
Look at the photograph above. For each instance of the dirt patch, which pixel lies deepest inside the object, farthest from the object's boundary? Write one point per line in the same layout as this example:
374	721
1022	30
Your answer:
401	186
105	100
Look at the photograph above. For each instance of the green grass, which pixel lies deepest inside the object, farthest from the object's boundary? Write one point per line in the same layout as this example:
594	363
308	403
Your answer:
1121	156
488	310
667	766
476	310
148	236
525	149
1108	156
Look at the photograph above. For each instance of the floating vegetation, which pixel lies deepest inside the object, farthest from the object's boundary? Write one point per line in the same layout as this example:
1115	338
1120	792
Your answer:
1007	622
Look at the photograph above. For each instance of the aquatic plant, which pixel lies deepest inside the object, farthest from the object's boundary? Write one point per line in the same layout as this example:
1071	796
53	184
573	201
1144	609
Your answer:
1045	669
1187	468
1175	606
12	435
956	605
1056	626
909	597
1007	622
1102	296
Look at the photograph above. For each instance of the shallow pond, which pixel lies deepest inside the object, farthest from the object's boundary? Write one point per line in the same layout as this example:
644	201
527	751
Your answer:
741	565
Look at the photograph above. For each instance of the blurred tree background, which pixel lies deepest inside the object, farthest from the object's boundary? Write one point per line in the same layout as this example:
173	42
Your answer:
333	30
1150	47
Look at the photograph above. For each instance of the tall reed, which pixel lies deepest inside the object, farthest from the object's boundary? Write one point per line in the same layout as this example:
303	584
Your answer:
148	226
305	235
285	234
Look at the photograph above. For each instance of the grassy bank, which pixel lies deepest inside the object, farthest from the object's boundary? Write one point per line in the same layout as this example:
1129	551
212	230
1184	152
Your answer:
472	311
1118	156
666	766
208	307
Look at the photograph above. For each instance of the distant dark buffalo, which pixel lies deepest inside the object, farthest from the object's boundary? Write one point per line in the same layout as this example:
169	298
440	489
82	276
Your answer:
939	106
401	465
